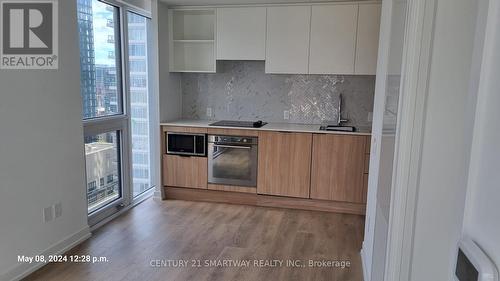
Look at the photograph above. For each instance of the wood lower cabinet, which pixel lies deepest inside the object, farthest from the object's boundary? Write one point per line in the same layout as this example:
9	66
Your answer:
311	171
284	164
182	171
338	168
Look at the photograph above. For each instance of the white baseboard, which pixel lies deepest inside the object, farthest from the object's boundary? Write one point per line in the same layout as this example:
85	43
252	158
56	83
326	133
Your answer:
24	269
366	276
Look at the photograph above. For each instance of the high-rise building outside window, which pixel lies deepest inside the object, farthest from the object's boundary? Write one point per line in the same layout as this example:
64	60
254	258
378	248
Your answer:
139	108
99	64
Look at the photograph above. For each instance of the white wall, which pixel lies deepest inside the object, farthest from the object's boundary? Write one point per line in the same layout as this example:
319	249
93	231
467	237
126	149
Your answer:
170	83
482	216
41	154
446	143
170	97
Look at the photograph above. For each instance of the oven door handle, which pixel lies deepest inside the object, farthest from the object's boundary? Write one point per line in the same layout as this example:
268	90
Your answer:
232	146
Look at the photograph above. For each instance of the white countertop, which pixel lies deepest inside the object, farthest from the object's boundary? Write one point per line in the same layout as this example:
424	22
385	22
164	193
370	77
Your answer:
284	127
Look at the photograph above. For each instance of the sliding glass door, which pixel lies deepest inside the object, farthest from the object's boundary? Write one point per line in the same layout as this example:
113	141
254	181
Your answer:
115	92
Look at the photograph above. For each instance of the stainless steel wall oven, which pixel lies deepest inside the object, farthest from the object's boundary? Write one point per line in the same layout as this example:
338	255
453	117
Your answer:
232	160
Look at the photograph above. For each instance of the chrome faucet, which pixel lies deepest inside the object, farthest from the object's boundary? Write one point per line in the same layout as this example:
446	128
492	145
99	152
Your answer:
339	110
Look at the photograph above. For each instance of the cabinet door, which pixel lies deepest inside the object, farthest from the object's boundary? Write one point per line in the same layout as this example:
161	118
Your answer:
287	41
338	168
333	39
367	39
241	33
179	171
284	164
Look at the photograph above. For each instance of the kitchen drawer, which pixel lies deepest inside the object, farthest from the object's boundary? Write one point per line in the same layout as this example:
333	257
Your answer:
181	171
179	129
232	132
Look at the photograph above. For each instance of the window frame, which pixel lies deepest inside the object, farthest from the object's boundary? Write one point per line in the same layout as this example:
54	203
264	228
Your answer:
103	212
121	122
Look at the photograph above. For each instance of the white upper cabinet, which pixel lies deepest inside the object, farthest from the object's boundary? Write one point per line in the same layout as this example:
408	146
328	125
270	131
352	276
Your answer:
241	33
329	38
333	39
367	44
192	40
287	40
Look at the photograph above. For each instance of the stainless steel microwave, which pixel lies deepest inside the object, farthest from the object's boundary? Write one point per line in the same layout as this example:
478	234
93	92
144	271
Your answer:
188	144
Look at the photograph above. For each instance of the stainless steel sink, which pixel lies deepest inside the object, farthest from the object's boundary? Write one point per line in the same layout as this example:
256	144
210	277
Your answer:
337	128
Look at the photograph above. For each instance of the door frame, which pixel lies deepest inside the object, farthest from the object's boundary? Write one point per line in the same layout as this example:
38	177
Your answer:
409	139
417	57
418	39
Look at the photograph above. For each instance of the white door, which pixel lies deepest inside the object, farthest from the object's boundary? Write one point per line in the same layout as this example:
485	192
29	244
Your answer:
287	40
241	33
333	39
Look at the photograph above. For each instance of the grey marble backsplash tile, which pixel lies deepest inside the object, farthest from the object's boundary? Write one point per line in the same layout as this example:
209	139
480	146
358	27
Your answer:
242	91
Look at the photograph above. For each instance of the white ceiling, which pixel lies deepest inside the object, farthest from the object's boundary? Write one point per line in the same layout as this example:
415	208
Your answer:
238	2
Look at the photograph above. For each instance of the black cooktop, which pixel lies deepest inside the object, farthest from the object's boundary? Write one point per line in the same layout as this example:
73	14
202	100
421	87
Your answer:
244	124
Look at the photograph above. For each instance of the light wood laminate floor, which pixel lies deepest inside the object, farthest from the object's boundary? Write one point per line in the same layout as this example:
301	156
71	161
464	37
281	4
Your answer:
173	230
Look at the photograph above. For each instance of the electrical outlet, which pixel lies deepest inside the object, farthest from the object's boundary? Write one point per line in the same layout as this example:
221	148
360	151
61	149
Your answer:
286	114
57	210
209	112
370	117
47	214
